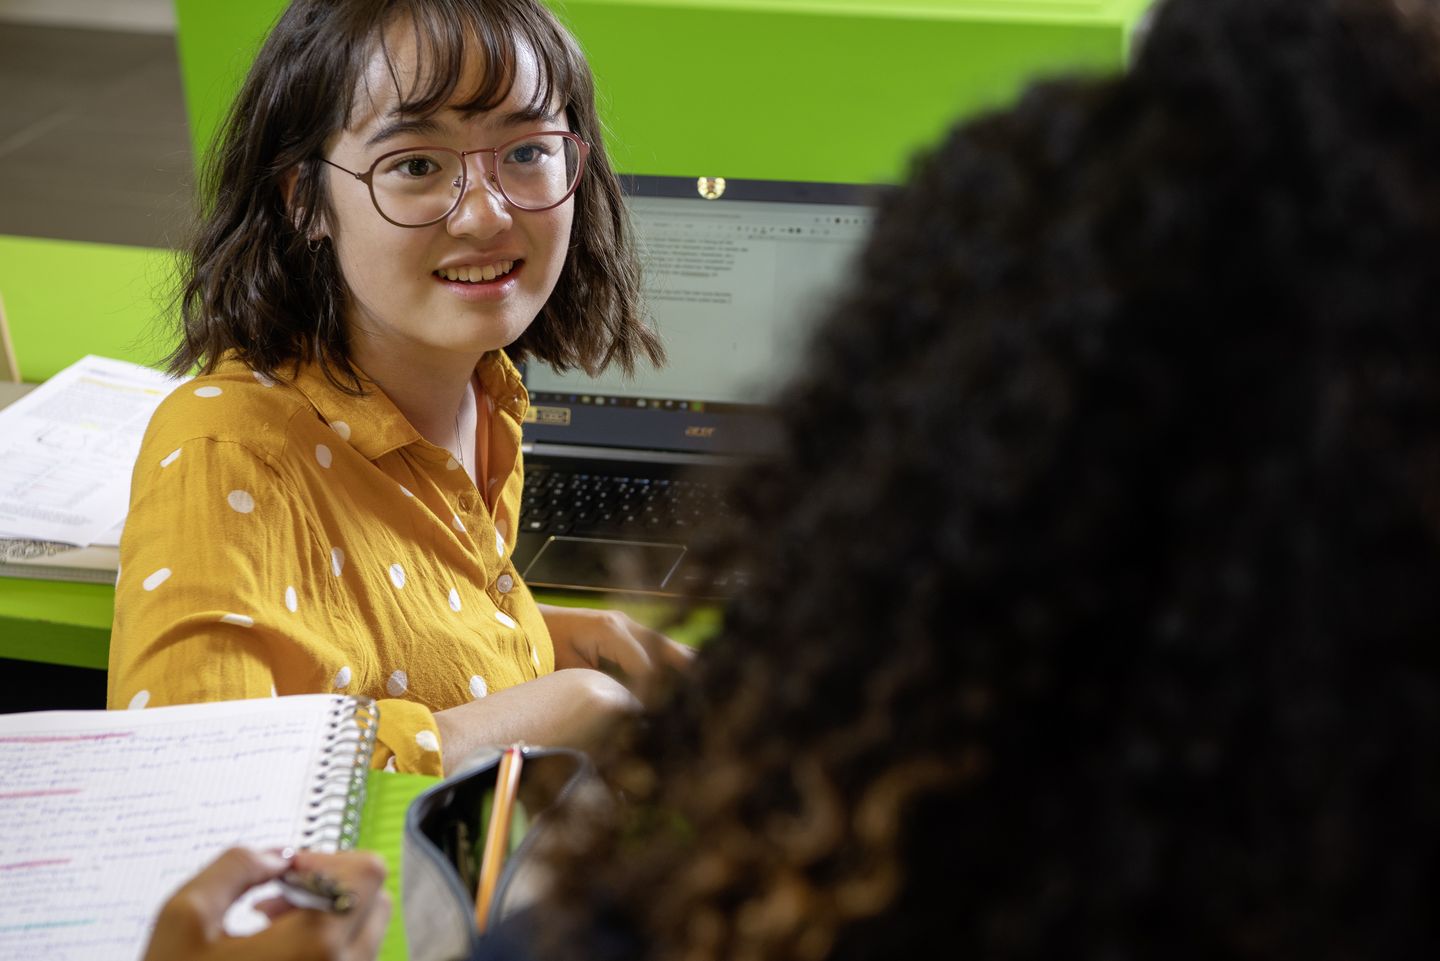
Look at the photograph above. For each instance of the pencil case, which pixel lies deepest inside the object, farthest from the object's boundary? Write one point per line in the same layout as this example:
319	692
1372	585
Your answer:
445	828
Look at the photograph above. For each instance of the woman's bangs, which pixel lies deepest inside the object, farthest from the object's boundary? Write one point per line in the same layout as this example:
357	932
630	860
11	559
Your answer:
448	36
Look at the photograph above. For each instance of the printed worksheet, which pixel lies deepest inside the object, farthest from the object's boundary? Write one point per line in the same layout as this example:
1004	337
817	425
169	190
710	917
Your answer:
68	447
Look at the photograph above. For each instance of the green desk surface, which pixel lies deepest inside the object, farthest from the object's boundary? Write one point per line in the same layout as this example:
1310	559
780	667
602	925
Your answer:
62	623
56	622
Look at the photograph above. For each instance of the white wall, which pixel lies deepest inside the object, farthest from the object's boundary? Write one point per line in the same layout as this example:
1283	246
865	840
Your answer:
144	16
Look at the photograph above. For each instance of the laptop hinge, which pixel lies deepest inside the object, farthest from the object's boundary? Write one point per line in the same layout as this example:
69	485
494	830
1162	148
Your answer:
583	452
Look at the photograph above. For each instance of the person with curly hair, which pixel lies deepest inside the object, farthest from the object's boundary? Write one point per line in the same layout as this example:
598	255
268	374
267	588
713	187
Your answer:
1094	593
1097	588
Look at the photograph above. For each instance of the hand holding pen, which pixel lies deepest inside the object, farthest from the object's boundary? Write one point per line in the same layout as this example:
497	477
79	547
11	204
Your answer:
344	911
316	891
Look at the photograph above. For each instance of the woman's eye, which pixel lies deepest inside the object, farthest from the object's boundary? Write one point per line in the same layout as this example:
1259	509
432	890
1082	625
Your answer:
414	166
529	153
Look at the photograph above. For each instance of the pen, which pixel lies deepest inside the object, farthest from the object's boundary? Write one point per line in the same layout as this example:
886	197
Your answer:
507	780
316	891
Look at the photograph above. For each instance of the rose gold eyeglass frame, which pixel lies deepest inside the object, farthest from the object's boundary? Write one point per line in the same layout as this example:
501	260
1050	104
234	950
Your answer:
491	175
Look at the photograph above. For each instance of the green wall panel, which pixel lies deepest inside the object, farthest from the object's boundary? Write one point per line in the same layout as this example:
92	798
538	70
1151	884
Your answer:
65	299
803	96
217	40
800	89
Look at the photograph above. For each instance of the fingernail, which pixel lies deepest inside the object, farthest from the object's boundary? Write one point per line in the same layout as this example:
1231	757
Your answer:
278	859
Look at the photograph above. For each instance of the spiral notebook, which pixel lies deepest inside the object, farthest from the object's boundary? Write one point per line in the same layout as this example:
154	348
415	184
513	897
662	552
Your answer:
103	814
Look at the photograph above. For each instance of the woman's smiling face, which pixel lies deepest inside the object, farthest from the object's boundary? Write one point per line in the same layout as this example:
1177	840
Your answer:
418	294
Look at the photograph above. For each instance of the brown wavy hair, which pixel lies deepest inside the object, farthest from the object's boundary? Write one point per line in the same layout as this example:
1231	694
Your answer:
251	283
1095	595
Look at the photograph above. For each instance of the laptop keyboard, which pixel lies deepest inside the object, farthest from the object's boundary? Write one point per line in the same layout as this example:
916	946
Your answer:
590	504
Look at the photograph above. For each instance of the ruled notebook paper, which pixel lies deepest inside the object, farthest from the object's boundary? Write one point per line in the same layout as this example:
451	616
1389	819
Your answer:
103	814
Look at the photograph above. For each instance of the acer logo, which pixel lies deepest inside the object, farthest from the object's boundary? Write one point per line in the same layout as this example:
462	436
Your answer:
554	416
699	432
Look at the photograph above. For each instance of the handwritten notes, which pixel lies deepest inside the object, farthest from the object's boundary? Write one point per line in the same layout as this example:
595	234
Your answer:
105	814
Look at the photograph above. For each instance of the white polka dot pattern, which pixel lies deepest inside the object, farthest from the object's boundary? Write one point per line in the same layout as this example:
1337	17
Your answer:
139	701
261	558
535	658
427	741
208	392
390	764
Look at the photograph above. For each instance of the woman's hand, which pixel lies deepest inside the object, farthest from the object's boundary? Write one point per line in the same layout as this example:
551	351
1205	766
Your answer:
190	925
577	705
611	640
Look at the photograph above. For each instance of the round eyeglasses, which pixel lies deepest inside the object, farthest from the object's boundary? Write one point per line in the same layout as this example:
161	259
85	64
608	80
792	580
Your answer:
420	186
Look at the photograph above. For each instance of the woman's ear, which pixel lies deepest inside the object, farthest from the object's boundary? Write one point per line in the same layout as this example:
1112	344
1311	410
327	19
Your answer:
288	182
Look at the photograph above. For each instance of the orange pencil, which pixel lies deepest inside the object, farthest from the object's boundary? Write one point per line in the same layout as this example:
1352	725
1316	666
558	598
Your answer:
497	835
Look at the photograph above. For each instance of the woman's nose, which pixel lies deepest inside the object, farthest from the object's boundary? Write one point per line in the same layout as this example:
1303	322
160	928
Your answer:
483	210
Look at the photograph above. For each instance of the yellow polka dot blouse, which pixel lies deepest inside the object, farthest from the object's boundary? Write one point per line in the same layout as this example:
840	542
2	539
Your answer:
287	538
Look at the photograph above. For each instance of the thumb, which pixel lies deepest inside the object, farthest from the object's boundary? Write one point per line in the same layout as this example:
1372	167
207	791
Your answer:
199	906
235	872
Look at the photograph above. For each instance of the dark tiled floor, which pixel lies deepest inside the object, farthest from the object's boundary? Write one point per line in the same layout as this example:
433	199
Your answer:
93	141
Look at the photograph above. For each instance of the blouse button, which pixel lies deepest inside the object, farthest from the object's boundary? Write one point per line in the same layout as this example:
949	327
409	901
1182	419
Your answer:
503	583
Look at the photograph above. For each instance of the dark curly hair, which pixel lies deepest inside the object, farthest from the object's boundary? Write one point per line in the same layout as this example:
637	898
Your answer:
252	285
1096	596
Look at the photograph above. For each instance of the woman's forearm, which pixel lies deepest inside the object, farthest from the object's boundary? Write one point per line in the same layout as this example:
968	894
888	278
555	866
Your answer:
571	708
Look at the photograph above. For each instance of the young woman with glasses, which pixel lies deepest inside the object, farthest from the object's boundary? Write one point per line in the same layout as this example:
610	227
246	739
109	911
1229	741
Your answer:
406	197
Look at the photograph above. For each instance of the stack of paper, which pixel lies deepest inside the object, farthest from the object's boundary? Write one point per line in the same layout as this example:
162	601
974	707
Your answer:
67	450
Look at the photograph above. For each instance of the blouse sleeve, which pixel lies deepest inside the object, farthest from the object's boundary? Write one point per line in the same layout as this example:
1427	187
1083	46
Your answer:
408	739
224	593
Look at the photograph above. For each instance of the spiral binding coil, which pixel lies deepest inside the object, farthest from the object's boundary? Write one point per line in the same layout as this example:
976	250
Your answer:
332	812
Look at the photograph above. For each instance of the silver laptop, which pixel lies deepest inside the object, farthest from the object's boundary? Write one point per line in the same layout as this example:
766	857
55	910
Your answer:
620	472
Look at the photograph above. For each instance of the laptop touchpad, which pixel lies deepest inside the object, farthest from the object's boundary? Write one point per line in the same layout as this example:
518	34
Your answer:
593	563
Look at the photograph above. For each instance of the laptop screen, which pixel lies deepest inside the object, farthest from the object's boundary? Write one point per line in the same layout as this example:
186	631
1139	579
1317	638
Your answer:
735	275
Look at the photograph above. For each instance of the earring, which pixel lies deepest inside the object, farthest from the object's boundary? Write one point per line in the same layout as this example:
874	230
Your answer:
315	243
